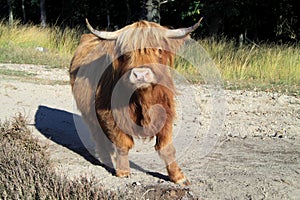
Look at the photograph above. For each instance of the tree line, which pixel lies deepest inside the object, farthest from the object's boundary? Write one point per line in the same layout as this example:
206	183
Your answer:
267	20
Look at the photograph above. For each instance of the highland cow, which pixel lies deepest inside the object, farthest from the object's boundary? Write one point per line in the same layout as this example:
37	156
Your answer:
137	59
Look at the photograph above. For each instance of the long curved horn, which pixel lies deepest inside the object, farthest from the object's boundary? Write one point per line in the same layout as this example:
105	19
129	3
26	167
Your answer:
103	34
181	32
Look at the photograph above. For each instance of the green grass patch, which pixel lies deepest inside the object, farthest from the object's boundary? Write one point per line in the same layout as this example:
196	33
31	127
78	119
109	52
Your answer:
18	73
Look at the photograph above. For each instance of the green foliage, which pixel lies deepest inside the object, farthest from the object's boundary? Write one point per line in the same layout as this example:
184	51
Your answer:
193	10
276	20
259	20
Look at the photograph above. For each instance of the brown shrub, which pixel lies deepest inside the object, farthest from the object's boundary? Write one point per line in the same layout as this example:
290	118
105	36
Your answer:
26	172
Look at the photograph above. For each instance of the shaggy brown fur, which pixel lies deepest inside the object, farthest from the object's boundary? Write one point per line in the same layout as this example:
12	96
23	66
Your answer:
140	44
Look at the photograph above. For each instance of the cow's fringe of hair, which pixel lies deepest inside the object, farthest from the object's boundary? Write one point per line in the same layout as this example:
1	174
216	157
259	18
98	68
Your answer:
143	35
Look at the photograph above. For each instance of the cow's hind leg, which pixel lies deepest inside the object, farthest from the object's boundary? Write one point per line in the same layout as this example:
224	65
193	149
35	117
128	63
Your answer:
166	151
123	144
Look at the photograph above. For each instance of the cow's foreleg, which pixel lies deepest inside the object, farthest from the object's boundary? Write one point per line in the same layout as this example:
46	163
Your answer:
166	151
122	165
123	143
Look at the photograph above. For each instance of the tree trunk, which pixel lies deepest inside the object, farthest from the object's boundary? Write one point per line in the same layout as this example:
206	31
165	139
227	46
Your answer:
128	20
151	10
43	13
10	13
107	15
24	12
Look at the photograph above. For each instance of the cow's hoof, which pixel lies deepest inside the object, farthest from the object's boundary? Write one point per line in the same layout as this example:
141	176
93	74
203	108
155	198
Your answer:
122	173
183	182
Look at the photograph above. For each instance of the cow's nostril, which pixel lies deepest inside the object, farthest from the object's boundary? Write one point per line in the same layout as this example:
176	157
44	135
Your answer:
138	75
141	75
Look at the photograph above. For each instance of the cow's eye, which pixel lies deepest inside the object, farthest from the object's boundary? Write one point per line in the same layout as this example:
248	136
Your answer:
159	50
124	58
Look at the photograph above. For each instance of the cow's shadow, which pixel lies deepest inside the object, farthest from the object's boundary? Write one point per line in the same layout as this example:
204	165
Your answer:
59	126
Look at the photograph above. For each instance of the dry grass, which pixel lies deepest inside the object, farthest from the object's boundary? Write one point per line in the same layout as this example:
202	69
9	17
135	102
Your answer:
264	66
261	67
18	44
26	172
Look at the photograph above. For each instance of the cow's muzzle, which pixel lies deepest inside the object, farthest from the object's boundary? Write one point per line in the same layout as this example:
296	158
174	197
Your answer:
142	77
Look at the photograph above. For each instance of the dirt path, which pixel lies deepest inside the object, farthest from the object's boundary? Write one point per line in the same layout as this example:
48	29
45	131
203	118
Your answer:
249	151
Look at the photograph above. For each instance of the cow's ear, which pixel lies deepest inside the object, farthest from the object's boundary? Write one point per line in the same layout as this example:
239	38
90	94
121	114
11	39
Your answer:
84	38
90	49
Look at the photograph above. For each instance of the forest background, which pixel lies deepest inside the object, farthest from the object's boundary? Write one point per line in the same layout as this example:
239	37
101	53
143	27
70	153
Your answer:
268	20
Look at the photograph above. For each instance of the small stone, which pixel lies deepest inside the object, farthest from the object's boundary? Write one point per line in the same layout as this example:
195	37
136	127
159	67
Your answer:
160	181
173	193
191	193
136	183
294	101
41	49
282	99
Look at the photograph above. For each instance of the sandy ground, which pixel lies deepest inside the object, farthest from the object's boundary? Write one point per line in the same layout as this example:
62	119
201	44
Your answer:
230	144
